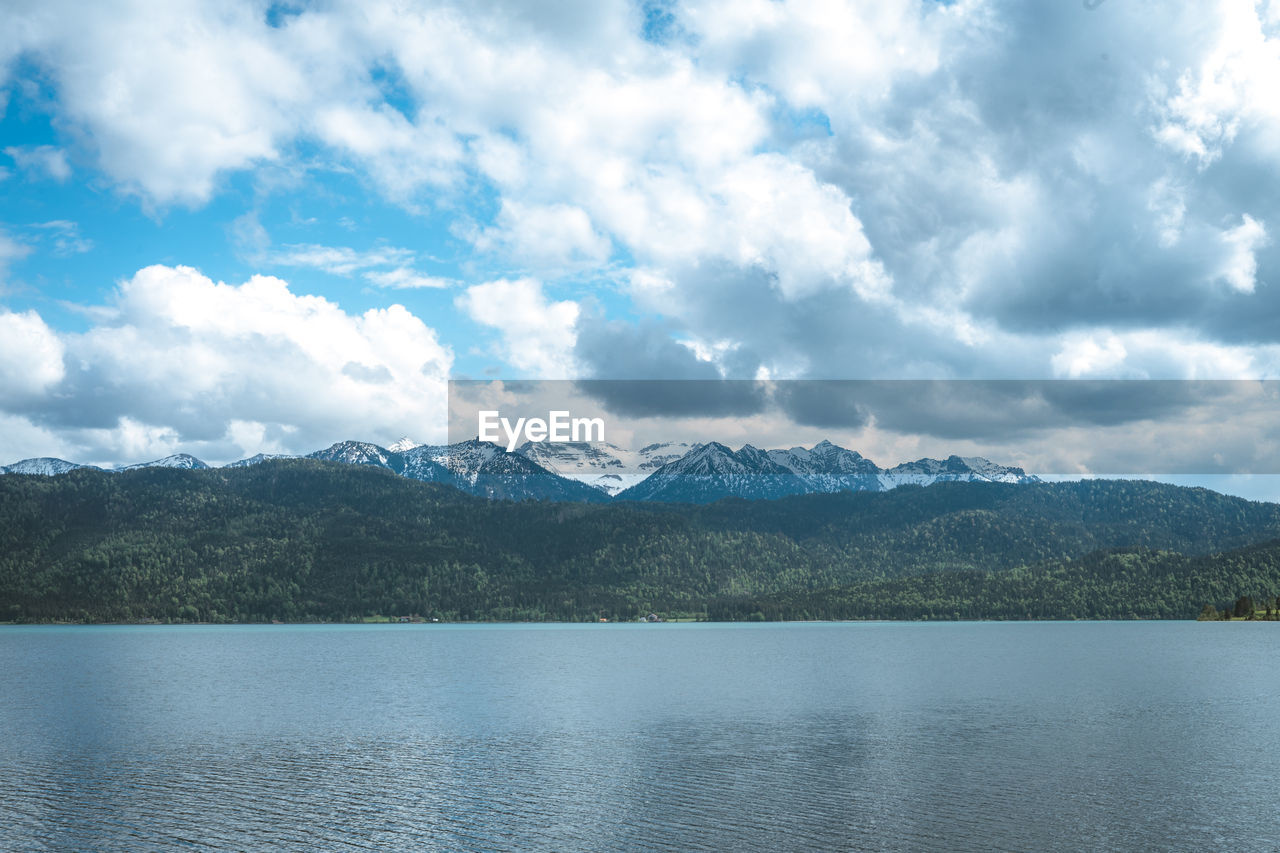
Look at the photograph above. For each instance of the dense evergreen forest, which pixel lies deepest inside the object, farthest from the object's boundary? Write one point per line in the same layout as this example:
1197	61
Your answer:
296	540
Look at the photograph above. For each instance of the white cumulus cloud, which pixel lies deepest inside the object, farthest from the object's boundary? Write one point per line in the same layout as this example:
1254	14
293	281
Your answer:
537	335
31	355
181	360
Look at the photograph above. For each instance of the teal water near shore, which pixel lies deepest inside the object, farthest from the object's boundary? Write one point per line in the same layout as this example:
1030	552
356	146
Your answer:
863	736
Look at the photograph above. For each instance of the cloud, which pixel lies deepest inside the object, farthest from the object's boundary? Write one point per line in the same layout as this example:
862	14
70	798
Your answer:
22	439
1089	355
805	189
404	278
1229	89
31	356
1241	268
658	398
1001	410
617	350
778	217
625	141
66	237
59	237
1050	426
831	56
210	92
42	160
11	250
401	157
382	266
537	335
1147	354
552	236
249	236
180	360
338	260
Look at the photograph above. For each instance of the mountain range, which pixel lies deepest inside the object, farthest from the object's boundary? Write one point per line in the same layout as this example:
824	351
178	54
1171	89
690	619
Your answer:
304	540
599	472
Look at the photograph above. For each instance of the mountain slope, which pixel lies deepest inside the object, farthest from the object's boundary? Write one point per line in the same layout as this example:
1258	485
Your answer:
305	539
961	469
1128	583
360	453
43	465
475	467
828	468
712	471
257	458
484	469
602	465
178	460
670	472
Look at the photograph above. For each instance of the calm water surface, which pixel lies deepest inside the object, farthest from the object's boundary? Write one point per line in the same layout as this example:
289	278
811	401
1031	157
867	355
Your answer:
963	736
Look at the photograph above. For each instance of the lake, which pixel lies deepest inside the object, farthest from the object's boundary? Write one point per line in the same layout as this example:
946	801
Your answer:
863	736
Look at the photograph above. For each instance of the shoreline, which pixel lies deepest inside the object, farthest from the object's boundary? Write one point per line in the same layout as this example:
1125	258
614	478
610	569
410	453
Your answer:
155	624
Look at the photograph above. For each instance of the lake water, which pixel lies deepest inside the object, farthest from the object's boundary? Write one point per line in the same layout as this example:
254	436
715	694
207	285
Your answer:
877	736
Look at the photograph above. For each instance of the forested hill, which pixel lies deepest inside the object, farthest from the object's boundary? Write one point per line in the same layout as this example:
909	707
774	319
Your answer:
303	539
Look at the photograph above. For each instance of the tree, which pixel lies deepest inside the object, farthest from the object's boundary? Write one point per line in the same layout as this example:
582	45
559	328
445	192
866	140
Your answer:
1208	613
1244	607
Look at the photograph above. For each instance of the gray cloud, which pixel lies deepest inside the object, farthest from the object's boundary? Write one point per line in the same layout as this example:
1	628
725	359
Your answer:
1049	426
647	398
1020	186
1020	178
1002	410
616	350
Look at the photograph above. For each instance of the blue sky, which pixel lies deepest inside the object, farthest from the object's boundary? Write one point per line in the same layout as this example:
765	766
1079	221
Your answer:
236	227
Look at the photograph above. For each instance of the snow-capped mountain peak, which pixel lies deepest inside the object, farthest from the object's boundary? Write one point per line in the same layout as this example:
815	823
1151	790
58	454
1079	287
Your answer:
403	444
359	453
176	460
695	473
968	469
46	465
711	471
466	459
483	468
258	458
602	465
827	467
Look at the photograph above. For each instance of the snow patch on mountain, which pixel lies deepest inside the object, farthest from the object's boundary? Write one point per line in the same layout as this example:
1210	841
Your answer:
712	471
359	453
466	460
485	469
258	458
827	467
602	465
970	469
